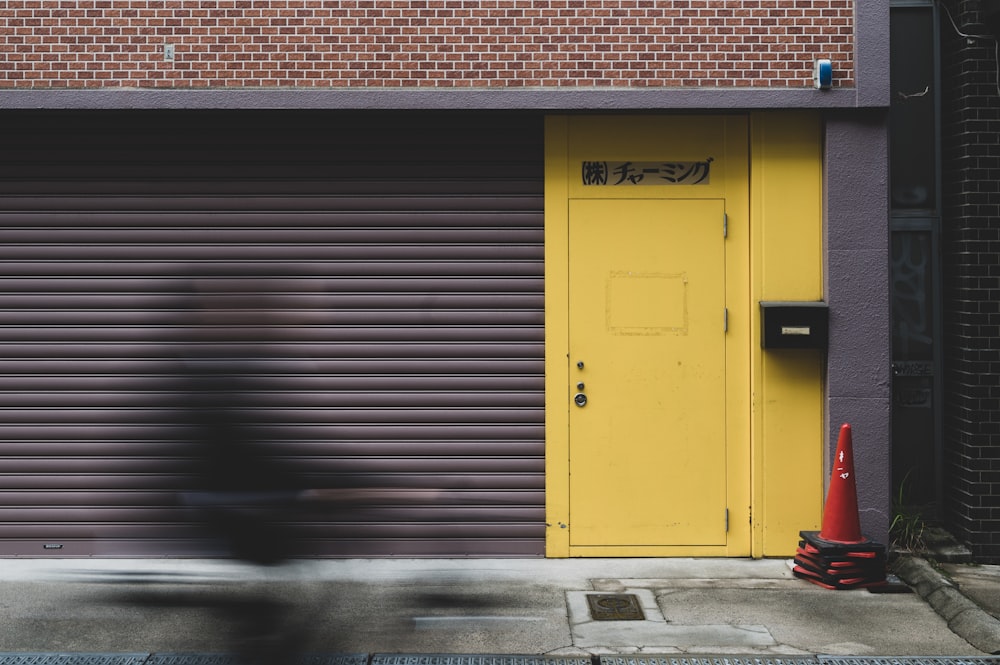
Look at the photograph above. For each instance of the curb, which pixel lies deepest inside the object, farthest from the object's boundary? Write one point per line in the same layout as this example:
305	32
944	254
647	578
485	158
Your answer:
964	617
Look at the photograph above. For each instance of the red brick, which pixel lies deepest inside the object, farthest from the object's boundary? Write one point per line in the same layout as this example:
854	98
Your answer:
568	40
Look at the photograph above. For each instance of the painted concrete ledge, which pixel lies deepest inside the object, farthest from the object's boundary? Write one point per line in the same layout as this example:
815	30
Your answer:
592	98
964	617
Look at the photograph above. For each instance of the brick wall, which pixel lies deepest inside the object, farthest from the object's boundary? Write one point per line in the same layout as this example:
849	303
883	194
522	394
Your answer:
971	242
383	43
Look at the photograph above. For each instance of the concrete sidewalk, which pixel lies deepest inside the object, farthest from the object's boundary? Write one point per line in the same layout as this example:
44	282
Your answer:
463	606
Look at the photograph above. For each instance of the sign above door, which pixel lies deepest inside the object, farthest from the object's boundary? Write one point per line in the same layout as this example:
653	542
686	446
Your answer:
605	173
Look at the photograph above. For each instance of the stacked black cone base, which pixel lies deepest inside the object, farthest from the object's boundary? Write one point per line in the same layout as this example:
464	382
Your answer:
836	565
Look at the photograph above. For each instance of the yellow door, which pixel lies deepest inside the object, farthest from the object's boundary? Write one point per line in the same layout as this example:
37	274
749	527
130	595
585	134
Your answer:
647	329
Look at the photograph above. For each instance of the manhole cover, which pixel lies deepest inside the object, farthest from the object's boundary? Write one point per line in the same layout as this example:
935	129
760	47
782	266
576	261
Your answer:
615	607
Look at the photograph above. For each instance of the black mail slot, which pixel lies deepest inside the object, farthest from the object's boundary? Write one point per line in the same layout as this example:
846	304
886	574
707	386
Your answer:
794	325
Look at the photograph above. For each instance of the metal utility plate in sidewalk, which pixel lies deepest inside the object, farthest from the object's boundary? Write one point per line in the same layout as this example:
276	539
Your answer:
614	607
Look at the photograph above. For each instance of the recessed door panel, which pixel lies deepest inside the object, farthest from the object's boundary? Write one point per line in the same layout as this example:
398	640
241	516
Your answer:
648	372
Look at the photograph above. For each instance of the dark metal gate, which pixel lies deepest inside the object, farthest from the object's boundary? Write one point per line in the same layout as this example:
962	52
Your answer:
416	237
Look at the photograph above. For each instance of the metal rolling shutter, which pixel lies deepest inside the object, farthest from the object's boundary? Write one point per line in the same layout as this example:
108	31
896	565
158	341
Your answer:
416	237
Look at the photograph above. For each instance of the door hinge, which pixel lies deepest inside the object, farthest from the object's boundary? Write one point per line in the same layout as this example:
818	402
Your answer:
725	319
727	520
725	225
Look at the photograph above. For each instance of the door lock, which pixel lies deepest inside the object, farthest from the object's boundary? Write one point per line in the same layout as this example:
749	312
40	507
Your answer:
580	400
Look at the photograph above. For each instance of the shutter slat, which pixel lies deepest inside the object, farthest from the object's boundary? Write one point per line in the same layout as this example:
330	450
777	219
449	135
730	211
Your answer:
107	210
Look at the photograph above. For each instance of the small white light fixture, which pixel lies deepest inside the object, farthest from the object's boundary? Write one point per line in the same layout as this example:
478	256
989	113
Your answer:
823	74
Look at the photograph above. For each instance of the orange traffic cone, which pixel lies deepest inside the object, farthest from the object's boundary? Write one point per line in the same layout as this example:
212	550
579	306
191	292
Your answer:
839	556
841	521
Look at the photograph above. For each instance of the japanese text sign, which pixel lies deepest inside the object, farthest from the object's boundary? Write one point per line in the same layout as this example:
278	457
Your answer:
646	173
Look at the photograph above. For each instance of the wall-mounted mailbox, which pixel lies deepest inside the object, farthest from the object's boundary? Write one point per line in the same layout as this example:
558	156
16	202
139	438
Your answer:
794	325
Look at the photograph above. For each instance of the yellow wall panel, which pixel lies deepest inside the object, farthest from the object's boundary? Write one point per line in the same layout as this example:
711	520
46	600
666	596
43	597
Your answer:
787	222
767	168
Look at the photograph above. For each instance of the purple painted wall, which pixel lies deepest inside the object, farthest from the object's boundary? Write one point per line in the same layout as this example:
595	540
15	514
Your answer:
857	282
871	54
